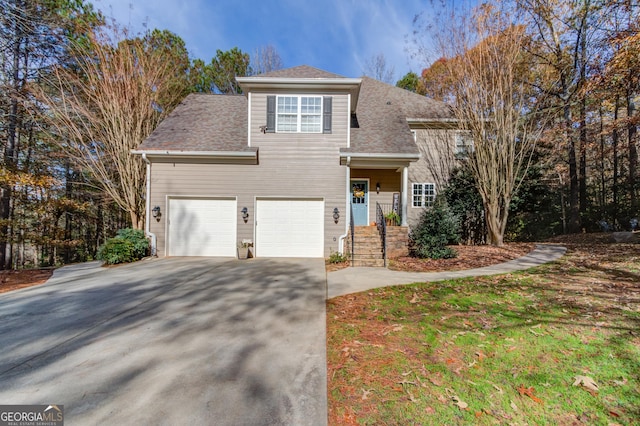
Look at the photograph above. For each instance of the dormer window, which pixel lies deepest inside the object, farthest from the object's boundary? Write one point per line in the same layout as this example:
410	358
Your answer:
299	114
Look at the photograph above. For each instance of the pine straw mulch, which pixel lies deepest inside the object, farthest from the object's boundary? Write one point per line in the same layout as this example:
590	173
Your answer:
469	257
14	280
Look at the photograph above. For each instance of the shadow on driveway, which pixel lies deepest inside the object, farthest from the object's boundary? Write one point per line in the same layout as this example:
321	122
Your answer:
172	341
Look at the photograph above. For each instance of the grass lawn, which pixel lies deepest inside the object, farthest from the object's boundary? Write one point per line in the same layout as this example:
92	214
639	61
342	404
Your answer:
556	345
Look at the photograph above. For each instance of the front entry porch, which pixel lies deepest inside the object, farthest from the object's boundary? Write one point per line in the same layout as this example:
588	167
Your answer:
378	228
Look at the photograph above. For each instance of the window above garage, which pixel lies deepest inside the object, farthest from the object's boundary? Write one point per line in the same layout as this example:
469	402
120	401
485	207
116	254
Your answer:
299	114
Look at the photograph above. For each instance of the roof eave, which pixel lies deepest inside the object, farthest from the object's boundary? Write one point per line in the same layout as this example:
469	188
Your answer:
377	160
432	122
249	156
350	85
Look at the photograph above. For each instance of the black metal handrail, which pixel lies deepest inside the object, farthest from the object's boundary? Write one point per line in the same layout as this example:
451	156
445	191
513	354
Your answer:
351	226
381	223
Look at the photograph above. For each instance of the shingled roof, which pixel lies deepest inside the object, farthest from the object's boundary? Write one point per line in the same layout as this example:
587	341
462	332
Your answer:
203	122
302	71
382	114
208	122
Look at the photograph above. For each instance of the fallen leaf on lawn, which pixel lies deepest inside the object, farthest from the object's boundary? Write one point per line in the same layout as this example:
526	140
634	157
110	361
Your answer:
620	382
366	393
614	414
435	381
472	363
411	397
514	406
407	373
395	327
537	326
586	382
430	410
530	393
443	399
480	356
460	403
535	334
414	299
496	387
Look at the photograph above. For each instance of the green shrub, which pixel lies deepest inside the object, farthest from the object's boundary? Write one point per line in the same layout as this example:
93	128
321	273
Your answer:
336	257
127	246
437	228
137	237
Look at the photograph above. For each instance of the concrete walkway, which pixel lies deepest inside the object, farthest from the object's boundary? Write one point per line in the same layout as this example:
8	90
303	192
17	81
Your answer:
354	280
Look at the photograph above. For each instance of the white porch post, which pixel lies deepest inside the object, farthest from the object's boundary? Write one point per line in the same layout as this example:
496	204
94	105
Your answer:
405	196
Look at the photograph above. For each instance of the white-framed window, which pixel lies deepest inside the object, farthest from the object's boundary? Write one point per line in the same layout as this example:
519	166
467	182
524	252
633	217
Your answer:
463	144
299	114
424	194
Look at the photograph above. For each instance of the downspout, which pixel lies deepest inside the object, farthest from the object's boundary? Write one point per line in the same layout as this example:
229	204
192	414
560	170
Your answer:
147	214
347	196
348	184
405	196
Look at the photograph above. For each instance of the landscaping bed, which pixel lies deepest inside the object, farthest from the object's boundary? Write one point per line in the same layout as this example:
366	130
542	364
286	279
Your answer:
14	280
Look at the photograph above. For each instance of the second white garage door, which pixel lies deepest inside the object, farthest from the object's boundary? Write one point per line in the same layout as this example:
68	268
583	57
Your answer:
290	228
202	227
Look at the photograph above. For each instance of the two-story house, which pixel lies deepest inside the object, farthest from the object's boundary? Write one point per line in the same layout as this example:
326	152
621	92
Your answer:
288	163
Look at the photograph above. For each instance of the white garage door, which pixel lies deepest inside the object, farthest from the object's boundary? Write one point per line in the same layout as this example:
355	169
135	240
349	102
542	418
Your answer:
290	228
202	227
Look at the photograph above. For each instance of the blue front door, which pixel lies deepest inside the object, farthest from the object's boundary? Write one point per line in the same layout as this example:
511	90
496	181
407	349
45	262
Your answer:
360	202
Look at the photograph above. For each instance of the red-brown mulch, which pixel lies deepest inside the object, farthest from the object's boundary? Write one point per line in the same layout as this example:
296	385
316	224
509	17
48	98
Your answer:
14	280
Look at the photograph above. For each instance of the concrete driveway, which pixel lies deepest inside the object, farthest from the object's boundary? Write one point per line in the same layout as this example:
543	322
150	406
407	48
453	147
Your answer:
172	341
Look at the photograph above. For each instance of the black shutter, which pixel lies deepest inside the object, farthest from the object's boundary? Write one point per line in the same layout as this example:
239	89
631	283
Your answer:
326	115
271	114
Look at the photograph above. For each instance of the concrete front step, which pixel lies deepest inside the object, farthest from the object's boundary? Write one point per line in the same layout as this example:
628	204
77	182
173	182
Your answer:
378	263
368	251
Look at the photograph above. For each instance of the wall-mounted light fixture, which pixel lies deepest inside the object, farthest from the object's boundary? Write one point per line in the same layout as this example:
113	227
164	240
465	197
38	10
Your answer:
378	188
155	212
336	215
245	214
263	129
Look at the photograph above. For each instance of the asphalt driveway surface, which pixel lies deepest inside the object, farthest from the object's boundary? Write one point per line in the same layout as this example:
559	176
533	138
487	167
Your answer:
171	341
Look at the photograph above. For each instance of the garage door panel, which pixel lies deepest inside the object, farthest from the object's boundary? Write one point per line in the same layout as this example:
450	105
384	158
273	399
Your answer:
202	227
290	228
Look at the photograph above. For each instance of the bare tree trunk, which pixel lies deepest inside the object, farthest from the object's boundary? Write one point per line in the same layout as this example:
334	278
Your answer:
6	191
582	170
602	166
633	155
616	166
574	189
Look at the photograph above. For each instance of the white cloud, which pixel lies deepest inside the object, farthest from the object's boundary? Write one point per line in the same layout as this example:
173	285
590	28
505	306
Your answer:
338	35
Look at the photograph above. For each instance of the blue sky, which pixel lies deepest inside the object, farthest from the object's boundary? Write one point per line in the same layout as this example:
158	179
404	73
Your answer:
339	36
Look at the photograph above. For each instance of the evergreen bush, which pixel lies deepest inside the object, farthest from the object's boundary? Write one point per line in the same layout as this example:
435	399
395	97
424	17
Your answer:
437	228
127	246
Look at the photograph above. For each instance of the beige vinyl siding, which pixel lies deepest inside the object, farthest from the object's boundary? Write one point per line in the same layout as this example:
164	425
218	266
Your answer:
321	178
340	118
434	166
294	165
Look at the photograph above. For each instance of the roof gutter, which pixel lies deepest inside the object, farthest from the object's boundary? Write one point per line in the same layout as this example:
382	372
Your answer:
380	156
194	154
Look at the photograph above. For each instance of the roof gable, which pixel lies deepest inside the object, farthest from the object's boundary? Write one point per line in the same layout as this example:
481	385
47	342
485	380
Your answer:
302	71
